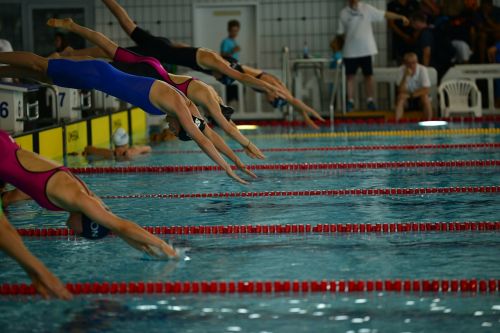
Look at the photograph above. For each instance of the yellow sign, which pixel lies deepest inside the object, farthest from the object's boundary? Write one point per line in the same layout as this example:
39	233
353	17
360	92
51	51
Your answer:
118	120
51	143
100	132
76	137
25	141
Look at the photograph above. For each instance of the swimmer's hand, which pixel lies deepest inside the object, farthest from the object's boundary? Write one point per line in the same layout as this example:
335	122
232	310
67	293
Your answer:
48	285
167	252
309	121
233	175
252	151
244	168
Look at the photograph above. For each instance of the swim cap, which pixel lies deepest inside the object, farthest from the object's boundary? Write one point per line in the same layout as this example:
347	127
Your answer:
92	230
120	137
227	111
184	136
278	102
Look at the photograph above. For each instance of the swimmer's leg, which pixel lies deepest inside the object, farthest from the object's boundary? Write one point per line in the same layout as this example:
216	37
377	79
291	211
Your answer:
94	52
23	73
26	60
97	38
127	24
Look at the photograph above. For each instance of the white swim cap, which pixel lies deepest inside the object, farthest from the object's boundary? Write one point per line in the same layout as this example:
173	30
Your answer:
120	137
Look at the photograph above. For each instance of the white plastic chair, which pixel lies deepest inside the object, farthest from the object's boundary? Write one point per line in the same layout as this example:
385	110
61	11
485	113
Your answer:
459	96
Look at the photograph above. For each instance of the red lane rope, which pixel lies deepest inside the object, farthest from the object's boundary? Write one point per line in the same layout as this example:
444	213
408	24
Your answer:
341	192
349	148
472	286
293	166
399	227
363	121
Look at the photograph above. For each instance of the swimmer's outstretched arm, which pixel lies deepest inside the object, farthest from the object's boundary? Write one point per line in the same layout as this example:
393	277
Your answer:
213	61
166	98
221	146
73	199
138	150
208	97
47	284
100	152
303	108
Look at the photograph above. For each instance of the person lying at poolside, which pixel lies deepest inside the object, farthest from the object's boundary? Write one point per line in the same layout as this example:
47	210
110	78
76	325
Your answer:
55	188
153	96
196	90
121	151
45	283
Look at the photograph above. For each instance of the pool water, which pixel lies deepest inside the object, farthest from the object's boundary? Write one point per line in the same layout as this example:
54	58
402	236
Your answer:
424	255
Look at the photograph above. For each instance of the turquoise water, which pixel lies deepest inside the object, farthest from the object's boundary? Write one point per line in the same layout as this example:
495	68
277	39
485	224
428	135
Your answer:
269	257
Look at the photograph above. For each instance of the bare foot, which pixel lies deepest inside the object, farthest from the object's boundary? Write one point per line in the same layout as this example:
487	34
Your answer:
60	23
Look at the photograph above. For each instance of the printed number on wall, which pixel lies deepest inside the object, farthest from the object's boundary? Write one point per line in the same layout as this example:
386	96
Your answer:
4	110
61	98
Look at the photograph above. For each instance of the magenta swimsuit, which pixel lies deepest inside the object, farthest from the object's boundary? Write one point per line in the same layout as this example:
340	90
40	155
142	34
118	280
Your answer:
33	183
129	57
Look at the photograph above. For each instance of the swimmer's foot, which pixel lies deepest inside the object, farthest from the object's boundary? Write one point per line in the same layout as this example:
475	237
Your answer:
60	23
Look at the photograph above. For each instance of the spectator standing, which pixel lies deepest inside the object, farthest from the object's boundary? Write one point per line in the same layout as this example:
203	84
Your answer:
414	86
463	31
355	25
489	28
401	35
431	9
424	39
229	48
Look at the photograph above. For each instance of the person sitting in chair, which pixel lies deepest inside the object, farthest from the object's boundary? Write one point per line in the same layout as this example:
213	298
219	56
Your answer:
413	87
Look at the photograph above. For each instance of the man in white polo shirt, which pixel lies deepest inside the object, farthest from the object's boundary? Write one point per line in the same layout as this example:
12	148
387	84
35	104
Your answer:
414	86
355	25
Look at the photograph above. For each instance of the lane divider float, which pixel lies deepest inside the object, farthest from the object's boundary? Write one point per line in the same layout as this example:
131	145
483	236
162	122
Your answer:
493	145
391	133
364	121
273	229
292	166
469	286
330	193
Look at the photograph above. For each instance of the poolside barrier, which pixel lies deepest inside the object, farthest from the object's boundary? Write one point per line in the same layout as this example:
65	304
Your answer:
493	145
293	166
469	286
345	228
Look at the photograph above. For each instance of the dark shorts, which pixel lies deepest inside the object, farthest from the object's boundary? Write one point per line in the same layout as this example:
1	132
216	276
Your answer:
353	64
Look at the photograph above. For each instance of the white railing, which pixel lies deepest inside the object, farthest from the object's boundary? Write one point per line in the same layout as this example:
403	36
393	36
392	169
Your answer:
487	72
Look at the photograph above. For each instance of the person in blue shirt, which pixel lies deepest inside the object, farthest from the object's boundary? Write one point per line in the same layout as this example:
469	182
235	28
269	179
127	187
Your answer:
229	49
